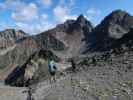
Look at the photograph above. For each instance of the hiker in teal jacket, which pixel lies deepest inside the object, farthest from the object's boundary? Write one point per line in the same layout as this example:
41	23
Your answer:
52	69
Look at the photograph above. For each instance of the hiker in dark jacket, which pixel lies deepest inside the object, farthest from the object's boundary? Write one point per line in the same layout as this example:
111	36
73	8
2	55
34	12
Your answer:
73	65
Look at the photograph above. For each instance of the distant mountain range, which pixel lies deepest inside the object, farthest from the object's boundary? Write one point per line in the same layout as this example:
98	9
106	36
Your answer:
70	39
9	36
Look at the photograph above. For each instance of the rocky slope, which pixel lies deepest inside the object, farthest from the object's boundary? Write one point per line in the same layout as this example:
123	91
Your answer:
105	78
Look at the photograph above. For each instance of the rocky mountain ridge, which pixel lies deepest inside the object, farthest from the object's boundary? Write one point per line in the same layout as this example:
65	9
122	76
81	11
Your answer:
103	72
113	34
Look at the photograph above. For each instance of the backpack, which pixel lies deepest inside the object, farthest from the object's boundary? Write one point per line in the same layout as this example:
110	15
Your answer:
52	67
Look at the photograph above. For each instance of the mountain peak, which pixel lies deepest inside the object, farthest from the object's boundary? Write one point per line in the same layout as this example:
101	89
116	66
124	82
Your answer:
119	12
81	18
113	28
82	21
117	15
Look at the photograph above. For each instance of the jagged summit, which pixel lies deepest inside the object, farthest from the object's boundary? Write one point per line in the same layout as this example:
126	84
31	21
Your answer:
83	22
81	18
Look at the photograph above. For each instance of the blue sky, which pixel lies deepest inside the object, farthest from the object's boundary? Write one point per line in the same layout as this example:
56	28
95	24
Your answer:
35	16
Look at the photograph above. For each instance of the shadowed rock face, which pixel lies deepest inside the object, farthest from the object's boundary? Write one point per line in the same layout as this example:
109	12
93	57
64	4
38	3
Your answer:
114	27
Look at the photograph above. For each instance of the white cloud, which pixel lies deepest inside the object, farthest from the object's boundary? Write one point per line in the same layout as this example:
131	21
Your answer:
47	3
88	17
29	28
11	4
24	26
41	25
62	14
28	13
45	26
26	16
93	15
4	25
93	11
2	6
68	3
44	17
72	2
62	11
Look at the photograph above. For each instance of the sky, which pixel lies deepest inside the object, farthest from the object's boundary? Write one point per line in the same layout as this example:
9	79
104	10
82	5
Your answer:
35	16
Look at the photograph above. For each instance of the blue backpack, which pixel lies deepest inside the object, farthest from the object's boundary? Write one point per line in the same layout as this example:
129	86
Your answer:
51	66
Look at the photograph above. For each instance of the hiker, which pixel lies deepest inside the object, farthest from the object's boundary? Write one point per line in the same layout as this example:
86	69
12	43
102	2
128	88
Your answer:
29	97
52	69
73	65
